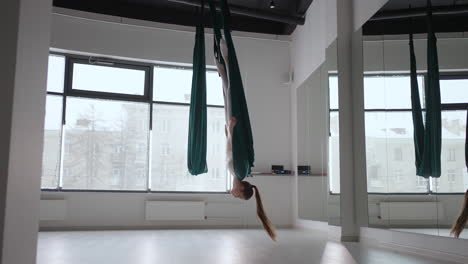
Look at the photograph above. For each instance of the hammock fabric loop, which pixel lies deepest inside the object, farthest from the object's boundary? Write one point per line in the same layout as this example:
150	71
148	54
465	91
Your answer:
196	148
242	139
418	133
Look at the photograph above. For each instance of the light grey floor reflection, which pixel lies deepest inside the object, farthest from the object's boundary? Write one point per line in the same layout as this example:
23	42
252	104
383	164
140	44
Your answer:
336	253
209	247
432	231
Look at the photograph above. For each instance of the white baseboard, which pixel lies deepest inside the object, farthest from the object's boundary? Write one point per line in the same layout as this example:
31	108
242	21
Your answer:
349	239
440	248
129	228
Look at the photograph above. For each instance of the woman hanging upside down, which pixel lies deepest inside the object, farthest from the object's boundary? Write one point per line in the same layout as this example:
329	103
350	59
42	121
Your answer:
240	189
243	189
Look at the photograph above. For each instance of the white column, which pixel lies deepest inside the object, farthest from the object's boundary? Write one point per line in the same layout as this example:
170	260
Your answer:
294	156
351	121
24	45
359	132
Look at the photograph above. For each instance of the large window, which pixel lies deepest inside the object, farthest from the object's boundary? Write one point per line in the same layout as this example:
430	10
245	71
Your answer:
123	126
389	135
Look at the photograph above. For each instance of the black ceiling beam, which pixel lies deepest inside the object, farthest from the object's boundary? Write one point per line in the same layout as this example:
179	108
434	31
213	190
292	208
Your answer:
421	12
294	20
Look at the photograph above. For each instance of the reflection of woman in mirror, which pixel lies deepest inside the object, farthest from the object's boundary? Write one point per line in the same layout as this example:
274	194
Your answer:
462	219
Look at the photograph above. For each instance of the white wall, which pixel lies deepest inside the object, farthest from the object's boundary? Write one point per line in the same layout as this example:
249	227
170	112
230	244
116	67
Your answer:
264	64
312	140
25	28
312	198
312	118
309	42
127	210
313	54
365	9
308	53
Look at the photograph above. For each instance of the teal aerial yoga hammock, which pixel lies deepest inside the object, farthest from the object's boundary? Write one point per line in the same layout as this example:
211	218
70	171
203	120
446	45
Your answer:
428	139
196	149
418	134
241	139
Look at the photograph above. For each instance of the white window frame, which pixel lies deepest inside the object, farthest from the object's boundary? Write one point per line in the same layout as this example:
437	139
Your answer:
147	97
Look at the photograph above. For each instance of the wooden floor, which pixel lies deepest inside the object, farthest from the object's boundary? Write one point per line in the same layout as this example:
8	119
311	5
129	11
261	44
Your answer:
208	247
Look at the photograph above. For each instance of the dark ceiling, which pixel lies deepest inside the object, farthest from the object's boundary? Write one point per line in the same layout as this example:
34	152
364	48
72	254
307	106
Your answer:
455	18
166	11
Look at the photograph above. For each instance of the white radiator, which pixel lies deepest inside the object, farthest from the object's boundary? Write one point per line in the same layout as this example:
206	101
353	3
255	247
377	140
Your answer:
174	210
411	210
52	210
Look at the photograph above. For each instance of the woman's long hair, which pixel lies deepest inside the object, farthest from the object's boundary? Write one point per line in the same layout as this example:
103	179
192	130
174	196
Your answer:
462	219
248	192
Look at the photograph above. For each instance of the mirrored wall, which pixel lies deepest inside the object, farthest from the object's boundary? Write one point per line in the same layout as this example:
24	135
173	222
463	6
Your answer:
333	164
317	136
398	199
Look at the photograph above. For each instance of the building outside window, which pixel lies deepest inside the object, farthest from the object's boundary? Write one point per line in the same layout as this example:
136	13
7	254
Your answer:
397	154
451	175
451	155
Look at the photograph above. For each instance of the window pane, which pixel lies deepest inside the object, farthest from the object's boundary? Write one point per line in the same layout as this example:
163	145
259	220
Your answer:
334	153
333	85
454	91
376	152
214	88
389	92
56	73
52	142
169	151
454	176
108	79
175	86
390	153
106	145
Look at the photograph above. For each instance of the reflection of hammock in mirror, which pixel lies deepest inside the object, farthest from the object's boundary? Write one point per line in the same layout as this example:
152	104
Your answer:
462	219
427	137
